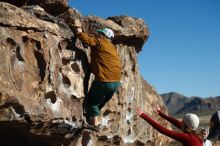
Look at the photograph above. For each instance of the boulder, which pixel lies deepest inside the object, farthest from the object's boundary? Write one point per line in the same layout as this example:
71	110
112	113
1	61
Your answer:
54	7
44	78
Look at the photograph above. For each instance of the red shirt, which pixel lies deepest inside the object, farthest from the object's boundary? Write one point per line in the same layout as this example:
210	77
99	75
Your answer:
187	139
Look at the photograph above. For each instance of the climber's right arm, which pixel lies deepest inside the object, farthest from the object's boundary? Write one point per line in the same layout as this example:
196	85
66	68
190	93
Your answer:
88	40
85	38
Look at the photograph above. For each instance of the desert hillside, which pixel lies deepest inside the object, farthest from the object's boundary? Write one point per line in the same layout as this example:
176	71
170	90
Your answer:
178	104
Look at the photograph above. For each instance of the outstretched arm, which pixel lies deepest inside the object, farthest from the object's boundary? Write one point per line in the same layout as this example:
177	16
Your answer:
172	134
88	40
84	37
172	120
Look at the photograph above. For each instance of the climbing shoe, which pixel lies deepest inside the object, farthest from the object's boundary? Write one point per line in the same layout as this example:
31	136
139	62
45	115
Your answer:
92	127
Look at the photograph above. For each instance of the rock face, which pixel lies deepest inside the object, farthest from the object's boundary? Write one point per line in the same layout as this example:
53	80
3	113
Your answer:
44	77
54	7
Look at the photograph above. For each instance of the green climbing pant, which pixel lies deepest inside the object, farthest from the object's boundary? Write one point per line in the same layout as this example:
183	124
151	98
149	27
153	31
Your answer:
99	94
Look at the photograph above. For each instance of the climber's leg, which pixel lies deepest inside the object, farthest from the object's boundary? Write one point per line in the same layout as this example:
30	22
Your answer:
110	89
96	94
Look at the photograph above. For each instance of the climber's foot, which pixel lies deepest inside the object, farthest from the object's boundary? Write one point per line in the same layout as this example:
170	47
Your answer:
92	127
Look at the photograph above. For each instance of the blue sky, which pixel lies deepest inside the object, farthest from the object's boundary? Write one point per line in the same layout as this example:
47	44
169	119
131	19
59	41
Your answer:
182	53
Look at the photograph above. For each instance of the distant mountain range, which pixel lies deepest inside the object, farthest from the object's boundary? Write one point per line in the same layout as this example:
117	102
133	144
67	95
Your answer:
178	104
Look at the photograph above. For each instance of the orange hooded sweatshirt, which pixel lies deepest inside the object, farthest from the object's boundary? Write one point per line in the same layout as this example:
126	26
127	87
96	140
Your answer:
105	60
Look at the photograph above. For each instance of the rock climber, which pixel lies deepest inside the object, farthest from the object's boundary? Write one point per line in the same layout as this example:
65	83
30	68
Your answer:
106	66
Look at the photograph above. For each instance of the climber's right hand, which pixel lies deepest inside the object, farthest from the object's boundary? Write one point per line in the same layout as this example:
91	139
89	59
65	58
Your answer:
77	26
78	30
